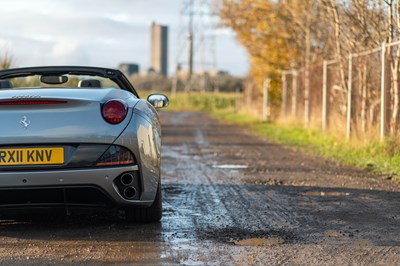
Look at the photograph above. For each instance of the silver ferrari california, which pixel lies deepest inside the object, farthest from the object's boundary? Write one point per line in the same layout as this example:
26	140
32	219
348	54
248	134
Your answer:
79	137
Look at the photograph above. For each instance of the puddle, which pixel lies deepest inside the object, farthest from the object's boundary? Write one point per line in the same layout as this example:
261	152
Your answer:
191	262
271	241
231	166
322	193
244	237
184	247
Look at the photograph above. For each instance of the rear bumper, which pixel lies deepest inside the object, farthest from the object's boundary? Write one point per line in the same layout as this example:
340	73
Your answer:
102	179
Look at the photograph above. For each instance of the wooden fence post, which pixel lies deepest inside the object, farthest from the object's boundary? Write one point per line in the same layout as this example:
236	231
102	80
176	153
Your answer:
324	96
284	95
294	92
383	124
349	98
266	107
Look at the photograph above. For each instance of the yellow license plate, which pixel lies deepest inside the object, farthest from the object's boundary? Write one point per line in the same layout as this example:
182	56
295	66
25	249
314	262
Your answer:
31	156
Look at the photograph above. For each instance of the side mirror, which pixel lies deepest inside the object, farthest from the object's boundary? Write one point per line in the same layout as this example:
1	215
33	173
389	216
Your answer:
158	100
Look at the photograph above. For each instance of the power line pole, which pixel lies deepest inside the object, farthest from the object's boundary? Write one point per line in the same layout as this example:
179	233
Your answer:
190	39
196	37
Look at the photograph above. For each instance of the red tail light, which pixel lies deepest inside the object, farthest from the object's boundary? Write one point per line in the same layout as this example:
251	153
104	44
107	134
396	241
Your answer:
114	111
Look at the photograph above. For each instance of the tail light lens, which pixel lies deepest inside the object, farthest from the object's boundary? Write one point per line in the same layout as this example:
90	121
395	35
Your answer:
116	155
114	111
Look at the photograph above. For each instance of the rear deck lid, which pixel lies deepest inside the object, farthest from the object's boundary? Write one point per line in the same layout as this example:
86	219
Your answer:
60	115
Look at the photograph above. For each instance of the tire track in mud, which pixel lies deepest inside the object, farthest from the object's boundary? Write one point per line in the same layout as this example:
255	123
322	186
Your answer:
222	192
228	214
314	205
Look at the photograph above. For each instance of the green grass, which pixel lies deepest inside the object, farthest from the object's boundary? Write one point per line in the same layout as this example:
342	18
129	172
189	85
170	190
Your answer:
380	157
209	102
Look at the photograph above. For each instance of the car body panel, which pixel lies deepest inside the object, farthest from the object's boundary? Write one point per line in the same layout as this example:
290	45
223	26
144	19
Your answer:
77	125
100	177
144	137
58	124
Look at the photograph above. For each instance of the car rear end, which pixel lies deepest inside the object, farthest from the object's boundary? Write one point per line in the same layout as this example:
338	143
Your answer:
73	148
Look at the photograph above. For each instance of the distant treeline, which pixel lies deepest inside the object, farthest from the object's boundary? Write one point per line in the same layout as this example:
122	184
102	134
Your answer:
204	82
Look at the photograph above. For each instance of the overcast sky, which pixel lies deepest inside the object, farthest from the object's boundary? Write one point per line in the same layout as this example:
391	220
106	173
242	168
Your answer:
99	33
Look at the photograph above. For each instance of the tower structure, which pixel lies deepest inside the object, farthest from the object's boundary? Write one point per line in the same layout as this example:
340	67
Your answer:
159	49
196	37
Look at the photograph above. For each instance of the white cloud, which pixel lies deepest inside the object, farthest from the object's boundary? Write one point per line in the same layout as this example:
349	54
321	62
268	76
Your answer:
5	44
68	53
93	32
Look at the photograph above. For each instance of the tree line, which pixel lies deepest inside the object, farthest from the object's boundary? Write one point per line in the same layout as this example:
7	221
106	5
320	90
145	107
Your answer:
286	34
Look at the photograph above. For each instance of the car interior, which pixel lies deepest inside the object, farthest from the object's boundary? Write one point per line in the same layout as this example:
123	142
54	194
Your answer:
86	83
5	84
89	83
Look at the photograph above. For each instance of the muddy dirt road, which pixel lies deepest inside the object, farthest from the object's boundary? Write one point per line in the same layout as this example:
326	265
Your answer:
230	198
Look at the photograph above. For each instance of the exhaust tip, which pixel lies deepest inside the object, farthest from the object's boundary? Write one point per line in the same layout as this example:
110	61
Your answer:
127	179
129	192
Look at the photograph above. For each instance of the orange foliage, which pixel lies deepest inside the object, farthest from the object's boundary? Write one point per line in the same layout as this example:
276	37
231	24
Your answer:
260	26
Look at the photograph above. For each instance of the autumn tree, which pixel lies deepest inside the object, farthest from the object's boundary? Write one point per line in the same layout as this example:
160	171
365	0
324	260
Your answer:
279	35
260	27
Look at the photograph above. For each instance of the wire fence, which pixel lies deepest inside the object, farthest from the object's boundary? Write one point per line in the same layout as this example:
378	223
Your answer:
358	97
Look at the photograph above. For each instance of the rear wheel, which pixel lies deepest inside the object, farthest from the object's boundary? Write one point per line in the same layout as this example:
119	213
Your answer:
149	214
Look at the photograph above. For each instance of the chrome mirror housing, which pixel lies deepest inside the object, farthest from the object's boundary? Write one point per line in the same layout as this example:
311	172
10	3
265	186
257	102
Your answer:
158	100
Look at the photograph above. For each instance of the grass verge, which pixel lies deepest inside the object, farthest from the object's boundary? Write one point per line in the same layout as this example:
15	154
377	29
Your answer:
208	102
381	158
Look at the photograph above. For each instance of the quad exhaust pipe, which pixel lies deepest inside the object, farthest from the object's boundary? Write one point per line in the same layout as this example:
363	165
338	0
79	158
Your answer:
129	192
128	186
127	179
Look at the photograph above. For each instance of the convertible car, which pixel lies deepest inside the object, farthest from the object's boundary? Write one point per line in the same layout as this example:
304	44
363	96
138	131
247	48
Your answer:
79	137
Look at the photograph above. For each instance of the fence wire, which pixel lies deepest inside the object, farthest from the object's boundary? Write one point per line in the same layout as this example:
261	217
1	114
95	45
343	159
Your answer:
358	97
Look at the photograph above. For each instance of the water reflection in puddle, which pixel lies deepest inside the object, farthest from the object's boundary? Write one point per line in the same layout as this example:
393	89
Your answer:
326	193
230	166
271	241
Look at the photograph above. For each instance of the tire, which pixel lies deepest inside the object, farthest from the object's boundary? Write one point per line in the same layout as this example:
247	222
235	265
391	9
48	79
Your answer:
146	215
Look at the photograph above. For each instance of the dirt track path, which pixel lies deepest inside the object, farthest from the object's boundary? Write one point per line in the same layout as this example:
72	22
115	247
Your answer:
230	198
